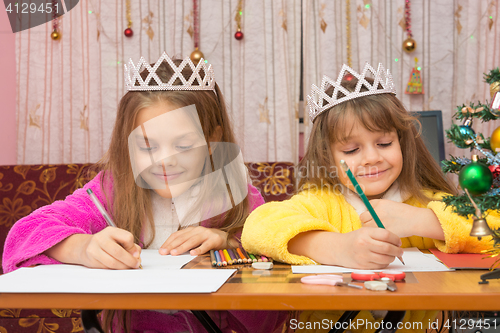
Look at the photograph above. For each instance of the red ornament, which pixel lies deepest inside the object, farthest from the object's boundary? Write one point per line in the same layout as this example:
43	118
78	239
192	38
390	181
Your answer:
128	32
495	170
238	35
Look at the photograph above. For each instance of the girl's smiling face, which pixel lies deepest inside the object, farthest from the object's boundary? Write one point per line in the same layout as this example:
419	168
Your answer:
167	148
374	158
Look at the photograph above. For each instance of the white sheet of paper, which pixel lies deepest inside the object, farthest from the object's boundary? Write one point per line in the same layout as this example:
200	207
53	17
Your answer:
415	261
150	259
160	274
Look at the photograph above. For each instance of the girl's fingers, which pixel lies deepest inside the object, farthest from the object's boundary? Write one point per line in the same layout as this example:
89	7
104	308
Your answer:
99	258
187	245
174	240
385	252
381	259
124	238
122	259
105	260
137	251
365	217
203	248
197	239
172	243
114	248
384	235
181	237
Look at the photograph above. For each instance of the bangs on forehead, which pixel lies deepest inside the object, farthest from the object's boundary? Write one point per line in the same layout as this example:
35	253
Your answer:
369	113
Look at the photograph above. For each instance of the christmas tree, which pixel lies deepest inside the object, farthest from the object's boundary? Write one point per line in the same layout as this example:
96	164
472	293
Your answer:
479	176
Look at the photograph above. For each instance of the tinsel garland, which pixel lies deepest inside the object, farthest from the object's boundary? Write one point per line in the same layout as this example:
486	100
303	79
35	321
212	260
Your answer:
455	164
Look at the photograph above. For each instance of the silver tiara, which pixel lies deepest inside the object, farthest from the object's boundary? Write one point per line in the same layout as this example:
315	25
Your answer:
319	101
202	78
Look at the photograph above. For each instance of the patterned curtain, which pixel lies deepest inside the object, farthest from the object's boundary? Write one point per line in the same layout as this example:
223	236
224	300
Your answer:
69	90
457	41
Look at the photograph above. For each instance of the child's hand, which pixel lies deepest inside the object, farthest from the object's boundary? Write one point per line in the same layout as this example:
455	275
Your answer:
369	248
365	248
196	240
404	220
111	248
397	217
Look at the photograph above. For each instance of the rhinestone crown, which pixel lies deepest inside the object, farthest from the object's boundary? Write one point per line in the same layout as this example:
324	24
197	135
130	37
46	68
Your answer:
195	82
319	101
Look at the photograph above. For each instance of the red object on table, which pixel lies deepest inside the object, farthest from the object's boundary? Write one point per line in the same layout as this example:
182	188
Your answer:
464	260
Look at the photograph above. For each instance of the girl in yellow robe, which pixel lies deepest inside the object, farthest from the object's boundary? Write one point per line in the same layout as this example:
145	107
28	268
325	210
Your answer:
360	120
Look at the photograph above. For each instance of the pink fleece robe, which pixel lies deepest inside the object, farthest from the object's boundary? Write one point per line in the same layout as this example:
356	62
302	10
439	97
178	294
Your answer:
34	234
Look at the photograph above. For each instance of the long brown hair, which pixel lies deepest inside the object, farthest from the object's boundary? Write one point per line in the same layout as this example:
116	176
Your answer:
382	112
131	204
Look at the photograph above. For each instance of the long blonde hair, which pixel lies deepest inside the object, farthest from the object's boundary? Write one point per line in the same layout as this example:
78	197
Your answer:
382	112
131	204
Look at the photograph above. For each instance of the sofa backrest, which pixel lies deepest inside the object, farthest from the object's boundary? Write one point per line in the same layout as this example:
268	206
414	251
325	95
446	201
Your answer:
24	188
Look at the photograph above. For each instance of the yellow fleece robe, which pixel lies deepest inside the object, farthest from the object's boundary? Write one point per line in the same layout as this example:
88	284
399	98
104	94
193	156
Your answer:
271	226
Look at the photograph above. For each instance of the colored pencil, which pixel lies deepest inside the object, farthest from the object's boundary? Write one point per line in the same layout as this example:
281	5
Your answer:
212	258
264	259
231	255
249	260
228	258
238	250
364	198
236	258
252	257
223	258
217	256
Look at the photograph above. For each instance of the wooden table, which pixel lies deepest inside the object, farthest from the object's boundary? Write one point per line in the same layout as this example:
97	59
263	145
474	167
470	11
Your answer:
279	289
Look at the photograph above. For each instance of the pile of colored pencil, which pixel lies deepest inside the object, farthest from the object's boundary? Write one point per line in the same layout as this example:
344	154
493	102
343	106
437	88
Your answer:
236	256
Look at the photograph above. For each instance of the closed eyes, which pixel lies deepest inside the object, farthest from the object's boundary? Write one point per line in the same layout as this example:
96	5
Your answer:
352	151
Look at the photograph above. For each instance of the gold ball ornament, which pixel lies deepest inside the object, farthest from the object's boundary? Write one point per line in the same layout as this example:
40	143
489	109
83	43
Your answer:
495	140
55	35
409	45
196	56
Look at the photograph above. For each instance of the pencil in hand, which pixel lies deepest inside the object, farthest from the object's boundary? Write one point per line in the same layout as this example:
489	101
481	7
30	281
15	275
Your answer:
364	198
103	211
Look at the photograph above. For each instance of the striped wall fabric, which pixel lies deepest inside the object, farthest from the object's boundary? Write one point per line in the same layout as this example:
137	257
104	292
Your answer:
69	90
457	42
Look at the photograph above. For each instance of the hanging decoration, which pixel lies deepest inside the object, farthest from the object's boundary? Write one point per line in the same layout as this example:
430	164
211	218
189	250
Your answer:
409	44
466	132
321	15
348	31
128	32
364	21
55	35
196	55
237	18
414	86
476	177
491	6
495	140
493	79
148	21
495	104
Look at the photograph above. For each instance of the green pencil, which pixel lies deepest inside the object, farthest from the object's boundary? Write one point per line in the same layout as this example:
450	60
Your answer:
364	198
